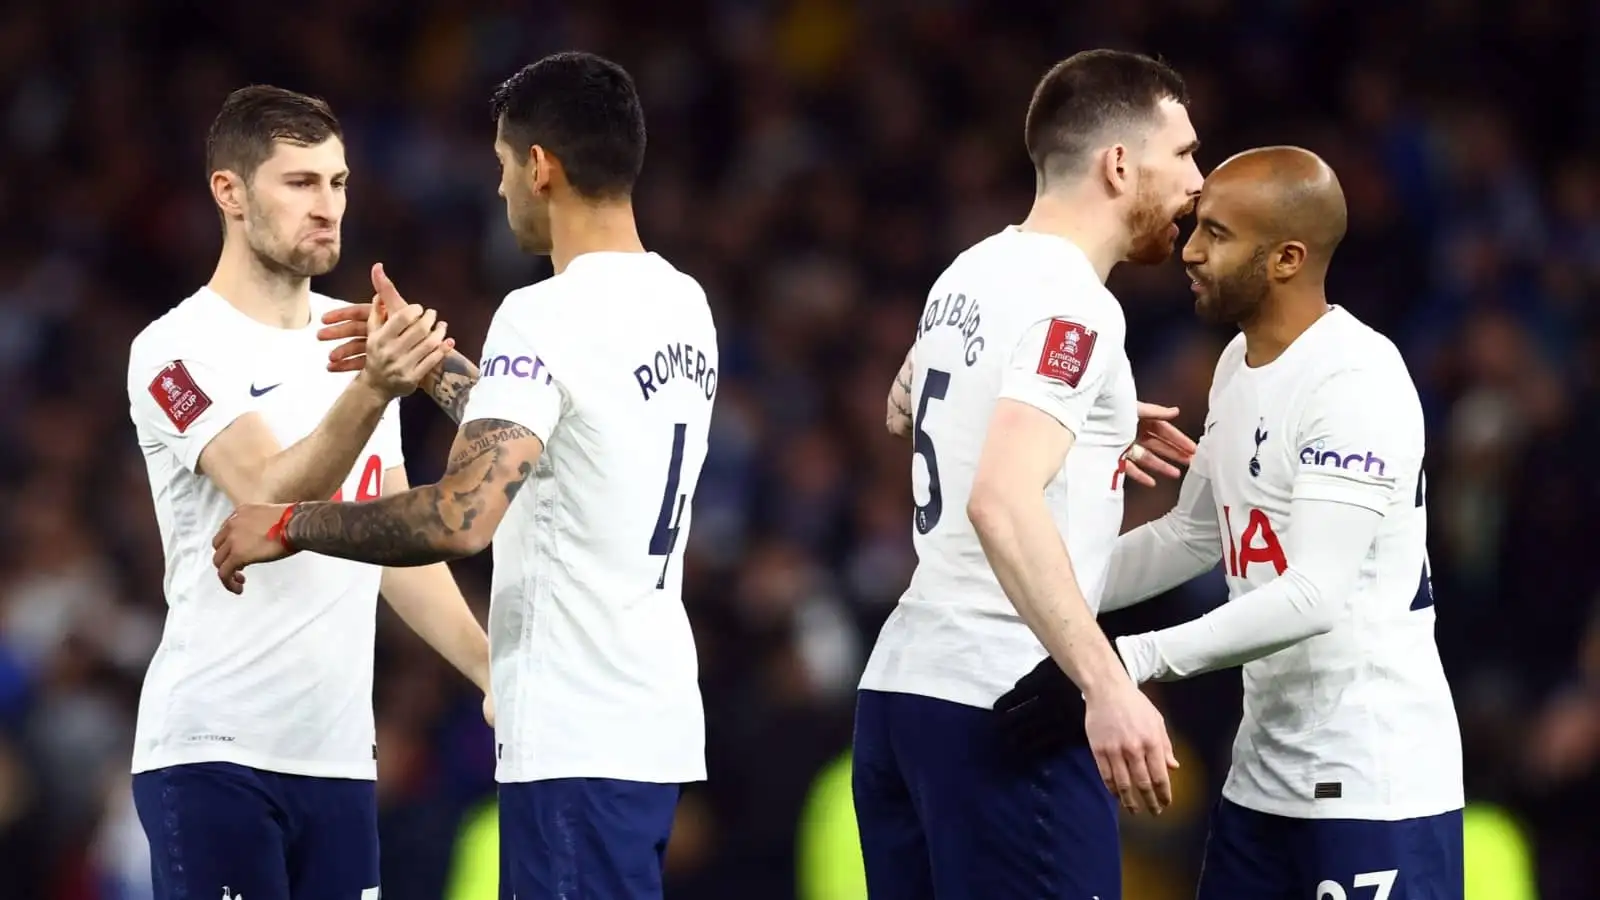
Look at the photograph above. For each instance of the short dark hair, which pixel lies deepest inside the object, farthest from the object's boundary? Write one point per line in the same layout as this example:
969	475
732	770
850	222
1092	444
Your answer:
1088	92
254	119
584	110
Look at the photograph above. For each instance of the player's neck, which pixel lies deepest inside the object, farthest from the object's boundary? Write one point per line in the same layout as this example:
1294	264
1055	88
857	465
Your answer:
1280	322
271	298
581	226
1093	227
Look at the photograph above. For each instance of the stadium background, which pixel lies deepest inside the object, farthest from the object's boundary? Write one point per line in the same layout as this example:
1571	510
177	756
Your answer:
814	163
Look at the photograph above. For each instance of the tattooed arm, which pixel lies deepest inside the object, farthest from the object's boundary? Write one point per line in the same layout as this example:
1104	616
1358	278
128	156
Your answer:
449	384
455	518
898	418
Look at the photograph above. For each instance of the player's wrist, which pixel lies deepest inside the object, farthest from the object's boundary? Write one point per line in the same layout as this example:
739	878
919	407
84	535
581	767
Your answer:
372	388
280	531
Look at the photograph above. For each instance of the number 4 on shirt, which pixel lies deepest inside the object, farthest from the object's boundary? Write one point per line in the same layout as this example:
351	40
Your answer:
665	538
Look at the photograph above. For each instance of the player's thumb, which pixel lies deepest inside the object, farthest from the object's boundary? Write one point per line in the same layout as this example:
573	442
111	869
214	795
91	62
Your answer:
385	290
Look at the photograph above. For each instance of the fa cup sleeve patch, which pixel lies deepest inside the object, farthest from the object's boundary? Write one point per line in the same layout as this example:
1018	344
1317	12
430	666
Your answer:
178	396
1067	348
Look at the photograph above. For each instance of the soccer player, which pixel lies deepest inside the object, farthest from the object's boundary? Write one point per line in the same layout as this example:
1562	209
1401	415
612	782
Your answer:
254	757
579	449
1020	404
1308	486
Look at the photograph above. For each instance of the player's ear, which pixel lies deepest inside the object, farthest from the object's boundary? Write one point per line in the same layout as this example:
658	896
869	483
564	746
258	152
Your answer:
227	189
538	169
1290	258
1115	166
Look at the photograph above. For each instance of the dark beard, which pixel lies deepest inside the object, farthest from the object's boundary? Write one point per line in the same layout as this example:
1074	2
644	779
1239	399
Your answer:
1234	298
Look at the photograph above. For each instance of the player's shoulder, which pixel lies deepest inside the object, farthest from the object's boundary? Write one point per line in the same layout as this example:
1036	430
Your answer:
187	330
1350	348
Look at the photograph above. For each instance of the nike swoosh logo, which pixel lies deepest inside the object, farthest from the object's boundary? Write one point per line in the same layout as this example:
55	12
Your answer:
256	392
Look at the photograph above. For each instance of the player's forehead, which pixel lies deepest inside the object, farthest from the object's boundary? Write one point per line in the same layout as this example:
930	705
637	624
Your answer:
1227	201
1173	125
325	159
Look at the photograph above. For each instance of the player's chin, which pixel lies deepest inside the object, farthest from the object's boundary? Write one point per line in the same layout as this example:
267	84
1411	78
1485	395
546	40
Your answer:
1155	250
319	260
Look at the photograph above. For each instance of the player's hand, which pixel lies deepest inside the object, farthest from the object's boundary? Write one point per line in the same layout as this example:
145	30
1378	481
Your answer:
353	324
404	341
1160	444
488	708
1131	747
251	535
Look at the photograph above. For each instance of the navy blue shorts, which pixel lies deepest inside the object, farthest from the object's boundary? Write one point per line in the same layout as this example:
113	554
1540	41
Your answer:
584	839
1255	856
945	810
219	830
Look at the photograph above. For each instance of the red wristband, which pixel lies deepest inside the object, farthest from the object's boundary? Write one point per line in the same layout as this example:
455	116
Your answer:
280	531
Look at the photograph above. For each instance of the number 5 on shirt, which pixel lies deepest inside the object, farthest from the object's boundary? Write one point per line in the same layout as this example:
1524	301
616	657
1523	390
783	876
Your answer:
934	387
665	538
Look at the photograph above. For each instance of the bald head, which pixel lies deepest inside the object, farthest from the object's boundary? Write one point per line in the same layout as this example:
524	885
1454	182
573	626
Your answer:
1283	194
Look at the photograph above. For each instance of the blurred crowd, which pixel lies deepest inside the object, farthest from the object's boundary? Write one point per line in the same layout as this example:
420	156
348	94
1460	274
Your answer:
814	163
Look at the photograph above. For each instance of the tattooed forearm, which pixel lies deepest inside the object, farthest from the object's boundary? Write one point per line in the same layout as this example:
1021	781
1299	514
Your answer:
898	420
450	384
403	530
426	524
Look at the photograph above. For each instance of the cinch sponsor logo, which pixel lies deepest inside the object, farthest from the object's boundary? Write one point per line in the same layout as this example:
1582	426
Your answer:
1316	455
530	367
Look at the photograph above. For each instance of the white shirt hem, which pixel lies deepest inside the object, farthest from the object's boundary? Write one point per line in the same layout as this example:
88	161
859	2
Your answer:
1339	808
366	770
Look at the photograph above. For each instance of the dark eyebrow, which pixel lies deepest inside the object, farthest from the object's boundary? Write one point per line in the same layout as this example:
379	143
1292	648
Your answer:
1214	225
318	175
1191	147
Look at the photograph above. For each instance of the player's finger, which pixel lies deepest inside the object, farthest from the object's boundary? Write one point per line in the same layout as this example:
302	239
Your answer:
339	331
397	324
1156	466
1164	449
1122	779
1144	784
1172	435
1155	762
353	364
432	360
1102	761
426	346
1131	470
350	312
1157	411
352	347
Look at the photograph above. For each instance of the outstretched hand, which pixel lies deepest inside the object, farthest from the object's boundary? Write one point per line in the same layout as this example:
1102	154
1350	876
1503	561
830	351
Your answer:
1160	448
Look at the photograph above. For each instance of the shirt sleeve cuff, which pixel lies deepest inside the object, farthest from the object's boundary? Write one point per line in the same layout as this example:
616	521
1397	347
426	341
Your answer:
1070	418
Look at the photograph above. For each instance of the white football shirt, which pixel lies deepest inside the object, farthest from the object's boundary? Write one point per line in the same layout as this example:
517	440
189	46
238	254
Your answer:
1024	316
1358	722
279	678
613	364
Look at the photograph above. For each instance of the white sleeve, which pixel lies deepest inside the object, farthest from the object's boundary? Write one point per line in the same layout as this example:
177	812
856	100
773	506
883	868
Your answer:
1060	365
515	383
1360	435
1325	548
182	401
1158	556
